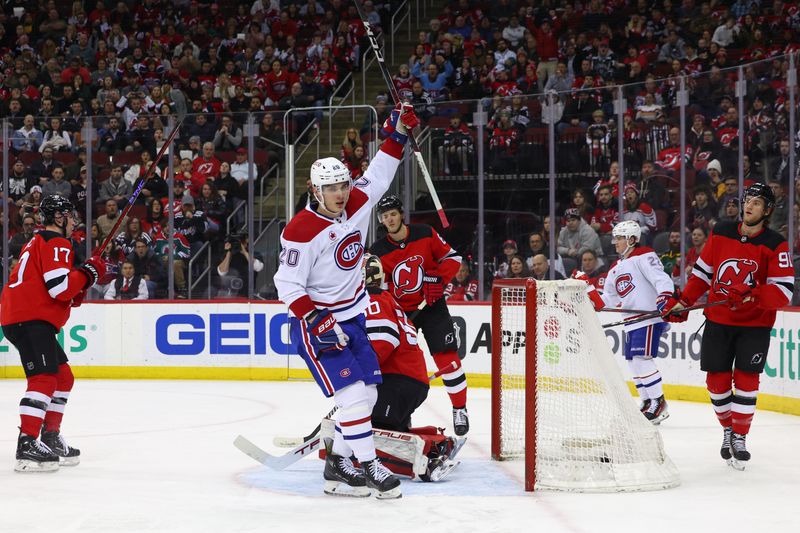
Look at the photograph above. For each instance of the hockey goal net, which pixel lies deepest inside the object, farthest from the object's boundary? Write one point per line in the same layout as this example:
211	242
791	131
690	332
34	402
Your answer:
560	401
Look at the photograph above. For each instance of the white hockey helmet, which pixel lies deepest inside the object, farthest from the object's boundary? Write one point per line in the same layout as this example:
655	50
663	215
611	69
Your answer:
627	229
328	171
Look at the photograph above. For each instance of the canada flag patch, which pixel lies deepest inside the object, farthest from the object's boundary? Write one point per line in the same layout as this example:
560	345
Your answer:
624	284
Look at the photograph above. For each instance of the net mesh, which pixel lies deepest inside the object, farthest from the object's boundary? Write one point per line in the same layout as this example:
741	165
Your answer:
590	435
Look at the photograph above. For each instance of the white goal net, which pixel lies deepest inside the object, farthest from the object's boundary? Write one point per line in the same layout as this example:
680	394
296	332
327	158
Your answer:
560	402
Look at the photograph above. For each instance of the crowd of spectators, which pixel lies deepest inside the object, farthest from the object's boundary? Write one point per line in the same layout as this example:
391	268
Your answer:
117	76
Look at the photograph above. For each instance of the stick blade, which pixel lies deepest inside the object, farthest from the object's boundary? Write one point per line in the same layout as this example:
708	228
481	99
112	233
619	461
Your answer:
287	442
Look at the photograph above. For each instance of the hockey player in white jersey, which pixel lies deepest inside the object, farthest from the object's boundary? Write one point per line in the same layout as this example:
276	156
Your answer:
320	279
637	281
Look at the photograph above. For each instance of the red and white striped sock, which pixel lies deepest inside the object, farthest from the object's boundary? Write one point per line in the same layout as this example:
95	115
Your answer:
35	402
719	389
55	411
744	400
455	381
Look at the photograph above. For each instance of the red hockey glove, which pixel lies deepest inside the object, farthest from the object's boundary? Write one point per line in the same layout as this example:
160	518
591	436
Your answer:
94	268
591	290
401	120
432	289
671	310
326	334
77	300
741	296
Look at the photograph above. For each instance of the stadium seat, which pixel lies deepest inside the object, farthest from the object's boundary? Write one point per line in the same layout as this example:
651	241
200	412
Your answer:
125	159
27	158
65	158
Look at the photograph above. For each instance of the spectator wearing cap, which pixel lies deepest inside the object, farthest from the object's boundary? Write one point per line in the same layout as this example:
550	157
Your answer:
577	236
57	184
179	192
27	138
116	188
241	168
714	172
639	211
509	251
229	135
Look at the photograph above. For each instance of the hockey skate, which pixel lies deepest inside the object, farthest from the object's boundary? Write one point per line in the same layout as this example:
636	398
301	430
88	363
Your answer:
725	449
645	405
34	456
67	455
657	410
441	466
380	478
460	421
342	478
739	451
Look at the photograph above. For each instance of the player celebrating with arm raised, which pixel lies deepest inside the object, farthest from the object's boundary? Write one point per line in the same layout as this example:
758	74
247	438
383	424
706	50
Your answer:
749	266
418	263
35	305
320	279
637	281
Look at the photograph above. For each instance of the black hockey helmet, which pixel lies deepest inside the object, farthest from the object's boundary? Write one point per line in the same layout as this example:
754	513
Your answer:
53	204
387	203
759	190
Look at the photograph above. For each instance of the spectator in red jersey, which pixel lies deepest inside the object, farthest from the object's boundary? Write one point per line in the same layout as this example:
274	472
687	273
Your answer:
605	214
278	83
546	47
594	268
699	238
206	164
463	287
504	144
669	158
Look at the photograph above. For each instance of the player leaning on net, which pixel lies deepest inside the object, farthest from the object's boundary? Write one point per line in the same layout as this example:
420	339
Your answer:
405	382
35	305
418	263
320	279
749	266
637	281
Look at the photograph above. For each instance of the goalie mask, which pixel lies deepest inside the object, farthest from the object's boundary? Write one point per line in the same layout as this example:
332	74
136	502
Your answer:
373	271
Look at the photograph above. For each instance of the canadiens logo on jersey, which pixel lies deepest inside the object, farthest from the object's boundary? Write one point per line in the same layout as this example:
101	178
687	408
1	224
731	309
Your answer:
735	271
407	276
624	284
349	251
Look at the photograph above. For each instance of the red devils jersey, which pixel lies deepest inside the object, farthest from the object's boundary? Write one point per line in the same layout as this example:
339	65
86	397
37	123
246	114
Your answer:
43	283
730	258
394	338
424	252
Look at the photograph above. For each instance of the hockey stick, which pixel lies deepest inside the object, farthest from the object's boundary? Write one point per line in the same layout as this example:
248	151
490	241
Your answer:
396	97
277	462
138	189
291	442
654	314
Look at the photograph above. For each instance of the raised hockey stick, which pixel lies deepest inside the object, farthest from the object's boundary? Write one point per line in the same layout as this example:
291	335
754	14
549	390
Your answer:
654	314
138	189
396	97
291	442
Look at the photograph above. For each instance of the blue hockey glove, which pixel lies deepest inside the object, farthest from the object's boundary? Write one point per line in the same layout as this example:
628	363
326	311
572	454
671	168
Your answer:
326	334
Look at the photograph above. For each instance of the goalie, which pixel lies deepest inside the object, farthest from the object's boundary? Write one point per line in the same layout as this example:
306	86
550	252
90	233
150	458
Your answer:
423	452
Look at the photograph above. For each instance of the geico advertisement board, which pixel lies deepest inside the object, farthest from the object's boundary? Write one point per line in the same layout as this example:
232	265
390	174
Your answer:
256	335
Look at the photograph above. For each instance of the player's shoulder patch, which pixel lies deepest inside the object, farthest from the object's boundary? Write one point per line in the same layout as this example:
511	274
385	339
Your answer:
305	226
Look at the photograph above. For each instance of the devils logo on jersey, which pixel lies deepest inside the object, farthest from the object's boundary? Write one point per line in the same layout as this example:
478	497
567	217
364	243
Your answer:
349	251
624	284
407	276
735	271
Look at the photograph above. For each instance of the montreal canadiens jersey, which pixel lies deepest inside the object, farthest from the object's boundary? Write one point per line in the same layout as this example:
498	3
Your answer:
423	252
636	282
43	284
730	258
394	338
320	259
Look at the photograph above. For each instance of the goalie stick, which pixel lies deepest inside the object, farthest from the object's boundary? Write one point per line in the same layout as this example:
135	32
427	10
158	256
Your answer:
291	442
396	97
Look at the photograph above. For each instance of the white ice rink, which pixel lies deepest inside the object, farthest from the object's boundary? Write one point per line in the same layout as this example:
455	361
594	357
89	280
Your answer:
157	456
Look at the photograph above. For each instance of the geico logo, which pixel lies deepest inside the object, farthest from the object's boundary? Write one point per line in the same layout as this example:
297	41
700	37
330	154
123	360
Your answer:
221	334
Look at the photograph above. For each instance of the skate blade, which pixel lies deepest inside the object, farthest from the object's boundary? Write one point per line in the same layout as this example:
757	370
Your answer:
24	465
69	461
660	418
391	494
736	464
444	470
337	488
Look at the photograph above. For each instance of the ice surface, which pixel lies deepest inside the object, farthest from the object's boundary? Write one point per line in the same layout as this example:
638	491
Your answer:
157	456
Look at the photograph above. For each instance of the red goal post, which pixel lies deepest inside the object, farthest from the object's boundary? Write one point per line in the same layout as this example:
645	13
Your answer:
559	400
